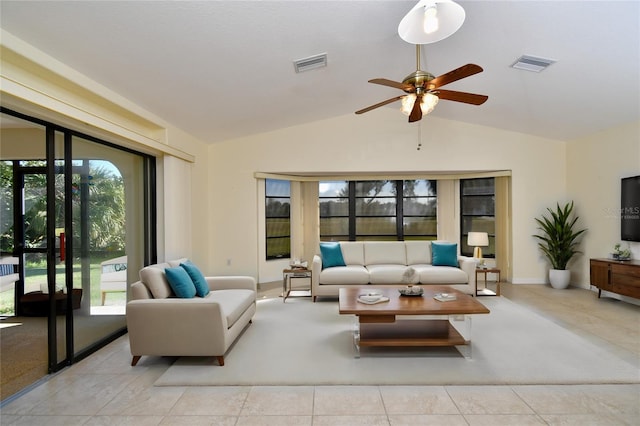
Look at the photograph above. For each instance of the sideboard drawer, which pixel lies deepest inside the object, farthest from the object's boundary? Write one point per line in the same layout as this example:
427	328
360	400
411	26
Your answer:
631	271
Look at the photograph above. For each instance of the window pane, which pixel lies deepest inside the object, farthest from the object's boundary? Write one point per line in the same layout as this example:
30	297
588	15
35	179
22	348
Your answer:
377	207
420	238
376	226
479	205
375	188
278	207
334	226
278	247
334	207
419	188
479	224
277	188
278	227
6	207
426	226
420	206
376	238
335	188
478	186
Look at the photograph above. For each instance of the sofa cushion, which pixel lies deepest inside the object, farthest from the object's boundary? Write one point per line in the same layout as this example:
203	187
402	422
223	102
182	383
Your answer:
352	252
385	253
180	282
200	283
331	255
177	262
352	274
418	252
233	303
389	274
444	254
156	281
430	274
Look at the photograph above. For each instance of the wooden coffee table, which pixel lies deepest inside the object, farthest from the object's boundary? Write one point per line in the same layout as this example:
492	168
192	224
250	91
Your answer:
378	326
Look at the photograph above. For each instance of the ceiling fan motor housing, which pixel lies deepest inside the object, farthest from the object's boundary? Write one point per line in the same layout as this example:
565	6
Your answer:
418	79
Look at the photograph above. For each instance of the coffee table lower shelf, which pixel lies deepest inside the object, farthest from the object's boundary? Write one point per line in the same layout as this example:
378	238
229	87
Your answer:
410	333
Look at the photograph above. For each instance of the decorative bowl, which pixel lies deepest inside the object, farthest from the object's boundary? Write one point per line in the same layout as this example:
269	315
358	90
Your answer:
411	291
371	297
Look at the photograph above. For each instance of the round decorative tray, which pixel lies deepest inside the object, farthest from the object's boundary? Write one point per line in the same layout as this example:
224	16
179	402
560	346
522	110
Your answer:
404	292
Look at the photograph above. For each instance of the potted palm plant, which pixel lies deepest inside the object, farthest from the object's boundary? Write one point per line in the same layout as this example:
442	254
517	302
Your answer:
558	240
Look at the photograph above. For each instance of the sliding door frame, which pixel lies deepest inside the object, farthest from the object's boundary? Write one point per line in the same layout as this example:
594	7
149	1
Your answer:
51	170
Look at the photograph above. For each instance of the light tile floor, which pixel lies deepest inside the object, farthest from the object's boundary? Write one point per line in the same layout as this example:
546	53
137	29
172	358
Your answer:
104	390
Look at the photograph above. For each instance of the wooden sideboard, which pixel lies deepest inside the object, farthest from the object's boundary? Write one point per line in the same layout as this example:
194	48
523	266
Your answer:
622	277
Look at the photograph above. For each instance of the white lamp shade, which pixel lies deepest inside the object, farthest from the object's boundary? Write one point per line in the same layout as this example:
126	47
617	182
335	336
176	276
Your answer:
478	239
449	15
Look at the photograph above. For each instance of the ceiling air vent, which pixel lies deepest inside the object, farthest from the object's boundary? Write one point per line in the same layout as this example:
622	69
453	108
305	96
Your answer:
310	63
532	63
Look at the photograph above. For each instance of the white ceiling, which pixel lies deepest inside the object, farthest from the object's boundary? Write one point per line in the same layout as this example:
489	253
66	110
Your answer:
223	69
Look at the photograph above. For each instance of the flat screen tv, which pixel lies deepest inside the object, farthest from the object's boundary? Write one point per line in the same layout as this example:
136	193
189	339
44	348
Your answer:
630	209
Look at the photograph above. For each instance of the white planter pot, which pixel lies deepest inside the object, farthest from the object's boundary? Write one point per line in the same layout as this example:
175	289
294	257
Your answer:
559	278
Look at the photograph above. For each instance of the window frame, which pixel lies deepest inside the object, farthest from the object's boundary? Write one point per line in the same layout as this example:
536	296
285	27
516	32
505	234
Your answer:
465	250
354	216
269	240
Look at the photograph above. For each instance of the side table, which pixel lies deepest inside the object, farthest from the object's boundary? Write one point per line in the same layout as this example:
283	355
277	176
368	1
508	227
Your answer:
485	291
291	274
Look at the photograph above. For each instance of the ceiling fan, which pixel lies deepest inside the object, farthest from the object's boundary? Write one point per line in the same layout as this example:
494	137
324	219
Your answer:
423	90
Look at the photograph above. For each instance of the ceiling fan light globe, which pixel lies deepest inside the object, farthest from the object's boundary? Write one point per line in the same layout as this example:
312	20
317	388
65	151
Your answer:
430	24
429	102
450	17
407	104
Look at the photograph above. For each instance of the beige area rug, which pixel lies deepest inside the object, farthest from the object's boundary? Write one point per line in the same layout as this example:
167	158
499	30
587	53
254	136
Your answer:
305	343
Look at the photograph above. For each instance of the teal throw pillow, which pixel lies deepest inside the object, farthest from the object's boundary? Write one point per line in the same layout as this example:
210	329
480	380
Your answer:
180	282
331	255
444	254
202	288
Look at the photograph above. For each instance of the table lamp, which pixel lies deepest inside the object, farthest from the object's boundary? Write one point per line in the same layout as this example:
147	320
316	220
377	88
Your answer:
478	240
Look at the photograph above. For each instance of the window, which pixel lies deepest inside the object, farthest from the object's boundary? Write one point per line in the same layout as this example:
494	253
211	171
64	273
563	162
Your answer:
420	210
477	213
278	218
334	211
378	210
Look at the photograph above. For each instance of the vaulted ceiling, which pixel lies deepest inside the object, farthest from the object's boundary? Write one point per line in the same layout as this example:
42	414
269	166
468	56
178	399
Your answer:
224	69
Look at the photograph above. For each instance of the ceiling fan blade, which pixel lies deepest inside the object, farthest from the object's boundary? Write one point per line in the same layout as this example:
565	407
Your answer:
416	111
455	75
394	84
388	101
467	98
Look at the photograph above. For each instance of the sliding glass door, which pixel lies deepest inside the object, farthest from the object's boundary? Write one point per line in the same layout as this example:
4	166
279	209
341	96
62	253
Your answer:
80	224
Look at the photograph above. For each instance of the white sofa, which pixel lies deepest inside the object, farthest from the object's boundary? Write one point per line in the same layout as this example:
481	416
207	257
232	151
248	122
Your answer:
383	263
161	324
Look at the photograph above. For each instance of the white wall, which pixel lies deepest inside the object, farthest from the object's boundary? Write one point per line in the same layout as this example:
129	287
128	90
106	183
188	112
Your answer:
595	165
380	141
32	82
